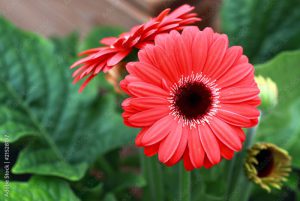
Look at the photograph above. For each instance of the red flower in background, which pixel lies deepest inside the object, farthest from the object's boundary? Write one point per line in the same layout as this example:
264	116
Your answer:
191	94
104	58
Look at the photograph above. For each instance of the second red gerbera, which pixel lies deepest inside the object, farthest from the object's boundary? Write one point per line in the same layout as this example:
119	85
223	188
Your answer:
191	94
104	58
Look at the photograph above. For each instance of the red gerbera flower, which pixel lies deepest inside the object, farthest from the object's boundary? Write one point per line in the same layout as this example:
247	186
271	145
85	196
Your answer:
104	58
191	94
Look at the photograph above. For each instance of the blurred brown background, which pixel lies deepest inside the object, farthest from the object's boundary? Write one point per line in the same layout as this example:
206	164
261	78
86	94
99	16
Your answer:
60	17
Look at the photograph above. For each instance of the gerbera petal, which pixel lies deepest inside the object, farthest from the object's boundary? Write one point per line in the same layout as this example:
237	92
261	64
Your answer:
181	53
199	55
238	94
168	27
209	33
188	35
236	74
160	41
165	64
148	102
196	150
140	135
181	148
207	164
128	79
114	60
93	57
215	54
225	151
227	134
163	14
239	114
151	150
91	51
243	59
108	40
241	135
144	55
184	9
142	89
123	85
158	131
148	117
242	109
236	119
86	82
146	72
187	161
209	143
231	56
170	144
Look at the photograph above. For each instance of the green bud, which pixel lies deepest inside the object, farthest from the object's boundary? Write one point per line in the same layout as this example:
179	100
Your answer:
268	92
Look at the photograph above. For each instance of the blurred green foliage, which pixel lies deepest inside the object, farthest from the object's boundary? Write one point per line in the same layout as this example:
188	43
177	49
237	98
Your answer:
263	27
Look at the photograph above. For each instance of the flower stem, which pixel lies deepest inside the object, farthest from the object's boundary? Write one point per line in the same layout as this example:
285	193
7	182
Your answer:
245	184
237	183
152	172
251	132
184	184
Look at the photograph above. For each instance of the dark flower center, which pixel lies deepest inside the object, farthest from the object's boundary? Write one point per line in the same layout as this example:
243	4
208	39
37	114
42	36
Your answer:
265	164
193	100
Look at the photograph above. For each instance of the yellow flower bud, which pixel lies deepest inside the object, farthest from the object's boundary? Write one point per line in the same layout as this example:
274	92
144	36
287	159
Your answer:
267	165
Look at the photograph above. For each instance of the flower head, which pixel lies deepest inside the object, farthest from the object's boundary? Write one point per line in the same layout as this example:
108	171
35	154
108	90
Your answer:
268	165
116	49
191	94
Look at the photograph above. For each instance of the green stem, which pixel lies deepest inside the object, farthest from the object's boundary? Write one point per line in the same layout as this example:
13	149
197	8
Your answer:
238	183
152	172
251	132
248	188
184	184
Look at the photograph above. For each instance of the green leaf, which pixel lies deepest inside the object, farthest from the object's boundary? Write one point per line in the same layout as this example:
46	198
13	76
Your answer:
262	27
38	189
13	121
282	126
68	130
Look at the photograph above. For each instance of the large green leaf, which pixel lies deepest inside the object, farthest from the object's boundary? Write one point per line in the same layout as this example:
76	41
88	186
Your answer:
68	130
38	189
262	27
282	126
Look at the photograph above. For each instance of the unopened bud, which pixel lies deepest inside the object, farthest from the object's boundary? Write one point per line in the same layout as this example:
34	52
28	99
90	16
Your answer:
268	92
